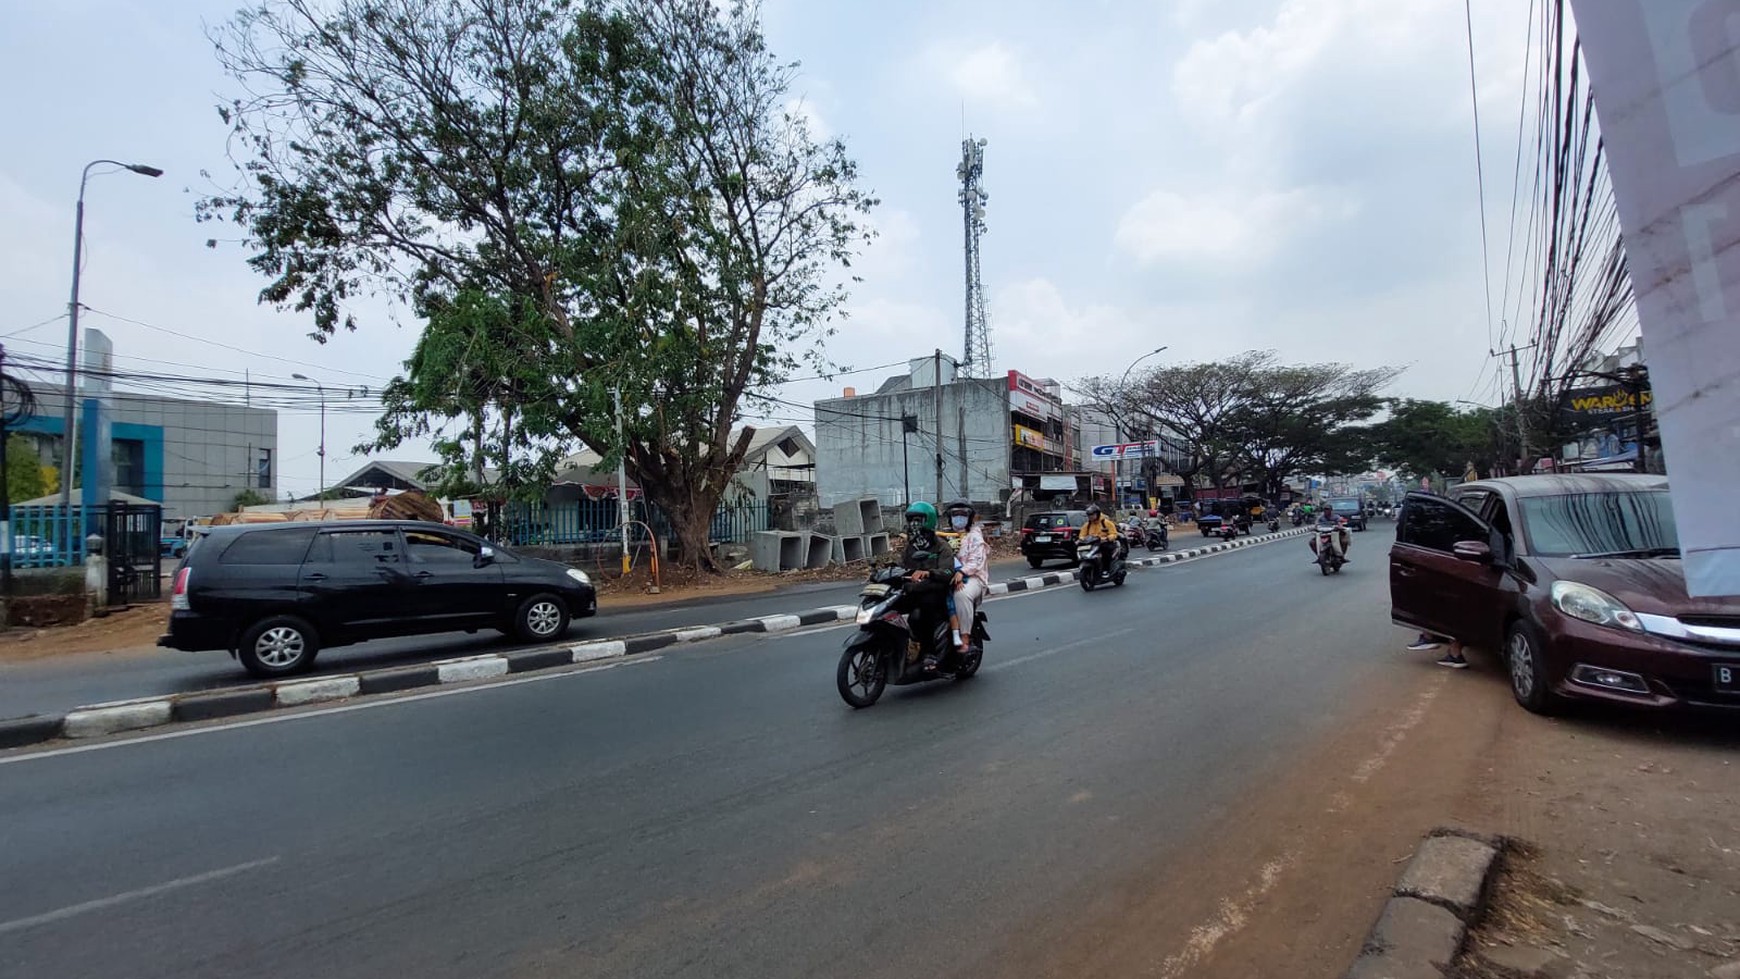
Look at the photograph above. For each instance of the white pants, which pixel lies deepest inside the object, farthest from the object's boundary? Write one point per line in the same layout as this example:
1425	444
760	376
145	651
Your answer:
967	600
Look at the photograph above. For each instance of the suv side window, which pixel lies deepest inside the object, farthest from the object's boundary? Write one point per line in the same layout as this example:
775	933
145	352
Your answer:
361	546
429	547
269	547
1437	524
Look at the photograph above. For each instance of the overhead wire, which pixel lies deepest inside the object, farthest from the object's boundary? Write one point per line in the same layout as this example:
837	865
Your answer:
1479	167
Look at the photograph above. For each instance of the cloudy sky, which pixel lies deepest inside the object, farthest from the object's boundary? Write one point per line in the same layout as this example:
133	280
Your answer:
1213	176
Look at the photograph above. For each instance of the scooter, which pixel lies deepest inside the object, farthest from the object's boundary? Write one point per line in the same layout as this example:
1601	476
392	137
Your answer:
895	629
1228	530
1157	538
1274	524
1094	569
1298	519
1328	548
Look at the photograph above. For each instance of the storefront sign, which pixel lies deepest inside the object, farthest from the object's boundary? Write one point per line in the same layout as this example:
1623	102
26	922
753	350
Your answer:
1599	405
1029	398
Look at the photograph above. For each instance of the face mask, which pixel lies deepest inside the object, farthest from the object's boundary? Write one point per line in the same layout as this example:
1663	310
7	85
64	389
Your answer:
959	523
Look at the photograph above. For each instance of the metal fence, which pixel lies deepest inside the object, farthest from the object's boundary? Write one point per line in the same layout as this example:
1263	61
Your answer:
55	536
597	522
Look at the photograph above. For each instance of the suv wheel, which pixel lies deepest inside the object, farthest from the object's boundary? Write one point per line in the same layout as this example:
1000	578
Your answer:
279	646
1528	673
541	618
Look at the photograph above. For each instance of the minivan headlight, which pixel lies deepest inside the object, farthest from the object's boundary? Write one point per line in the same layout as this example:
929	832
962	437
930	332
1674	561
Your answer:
579	576
1591	604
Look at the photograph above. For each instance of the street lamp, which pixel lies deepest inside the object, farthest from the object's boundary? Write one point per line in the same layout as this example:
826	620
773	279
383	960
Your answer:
70	421
321	496
1117	475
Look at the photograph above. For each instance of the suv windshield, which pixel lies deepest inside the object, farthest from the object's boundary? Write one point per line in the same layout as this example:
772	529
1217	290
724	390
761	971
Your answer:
1344	506
1589	524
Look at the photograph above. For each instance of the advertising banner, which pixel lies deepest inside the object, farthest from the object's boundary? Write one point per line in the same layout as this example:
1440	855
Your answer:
1125	450
1666	78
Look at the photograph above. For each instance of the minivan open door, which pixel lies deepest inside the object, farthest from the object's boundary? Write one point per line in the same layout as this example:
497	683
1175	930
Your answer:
1434	588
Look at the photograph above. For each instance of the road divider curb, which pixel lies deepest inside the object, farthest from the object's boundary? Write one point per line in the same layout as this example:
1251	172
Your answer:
1440	895
98	720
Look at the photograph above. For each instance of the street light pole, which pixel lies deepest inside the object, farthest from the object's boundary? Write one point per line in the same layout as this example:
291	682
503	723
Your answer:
70	420
321	495
1118	464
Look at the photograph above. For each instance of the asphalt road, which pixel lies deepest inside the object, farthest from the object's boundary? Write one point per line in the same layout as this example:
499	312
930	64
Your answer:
712	812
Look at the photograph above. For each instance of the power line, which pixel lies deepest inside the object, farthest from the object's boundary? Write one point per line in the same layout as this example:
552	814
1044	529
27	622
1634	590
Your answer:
226	346
52	319
1479	167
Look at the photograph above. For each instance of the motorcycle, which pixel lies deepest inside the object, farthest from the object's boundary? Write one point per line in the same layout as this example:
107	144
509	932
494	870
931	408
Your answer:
1229	530
1274	524
1328	548
1298	519
1156	538
1094	569
896	627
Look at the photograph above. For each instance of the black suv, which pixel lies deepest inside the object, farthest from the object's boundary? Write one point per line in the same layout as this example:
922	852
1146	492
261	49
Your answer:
1051	535
1351	508
275	594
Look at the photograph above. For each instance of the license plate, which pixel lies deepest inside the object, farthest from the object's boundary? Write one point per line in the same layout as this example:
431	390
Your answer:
1727	677
1042	539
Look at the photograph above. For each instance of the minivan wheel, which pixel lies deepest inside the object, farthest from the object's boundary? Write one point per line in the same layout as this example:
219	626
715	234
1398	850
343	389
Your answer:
541	618
279	646
1528	673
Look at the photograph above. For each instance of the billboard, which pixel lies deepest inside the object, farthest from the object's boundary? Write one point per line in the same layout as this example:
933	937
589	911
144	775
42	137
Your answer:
1030	398
1592	407
1125	450
1666	78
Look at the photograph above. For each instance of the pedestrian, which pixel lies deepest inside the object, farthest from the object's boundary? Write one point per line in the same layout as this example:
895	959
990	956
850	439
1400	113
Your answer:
1452	659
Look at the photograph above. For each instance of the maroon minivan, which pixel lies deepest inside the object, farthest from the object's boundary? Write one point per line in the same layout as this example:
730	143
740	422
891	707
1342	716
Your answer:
1577	580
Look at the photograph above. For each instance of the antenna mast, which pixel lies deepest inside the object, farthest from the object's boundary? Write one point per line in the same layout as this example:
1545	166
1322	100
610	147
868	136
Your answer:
976	359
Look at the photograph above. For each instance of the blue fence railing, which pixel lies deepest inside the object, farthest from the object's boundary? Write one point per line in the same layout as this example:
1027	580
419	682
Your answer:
597	522
52	536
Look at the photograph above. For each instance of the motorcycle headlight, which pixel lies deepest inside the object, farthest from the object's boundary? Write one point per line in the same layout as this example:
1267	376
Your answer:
1591	604
579	576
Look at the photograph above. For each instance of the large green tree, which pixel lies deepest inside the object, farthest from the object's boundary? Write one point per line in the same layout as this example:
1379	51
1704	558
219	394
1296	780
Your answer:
583	199
1435	438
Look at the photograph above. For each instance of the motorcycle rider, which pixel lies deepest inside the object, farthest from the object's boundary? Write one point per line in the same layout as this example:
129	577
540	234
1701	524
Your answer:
927	558
1101	526
972	577
1340	541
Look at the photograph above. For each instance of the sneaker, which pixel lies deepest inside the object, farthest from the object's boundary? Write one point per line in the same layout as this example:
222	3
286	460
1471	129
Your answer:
1454	661
1423	643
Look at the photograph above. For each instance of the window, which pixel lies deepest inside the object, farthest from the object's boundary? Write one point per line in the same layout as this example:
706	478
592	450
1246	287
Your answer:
1437	524
128	456
370	546
280	547
425	547
263	469
1597	523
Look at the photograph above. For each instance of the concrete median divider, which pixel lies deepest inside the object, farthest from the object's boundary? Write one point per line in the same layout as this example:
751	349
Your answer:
101	720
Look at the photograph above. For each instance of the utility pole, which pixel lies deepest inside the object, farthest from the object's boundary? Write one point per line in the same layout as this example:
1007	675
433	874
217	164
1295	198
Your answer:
5	492
936	398
1522	428
621	476
961	440
908	426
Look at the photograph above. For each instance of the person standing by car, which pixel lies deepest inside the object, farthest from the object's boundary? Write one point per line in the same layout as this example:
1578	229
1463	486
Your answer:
972	578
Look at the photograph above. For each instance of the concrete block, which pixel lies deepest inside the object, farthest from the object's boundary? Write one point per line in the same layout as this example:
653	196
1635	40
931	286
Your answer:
780	623
538	659
589	651
697	633
848	550
648	643
94	722
870	516
818	551
404	678
223	703
315	691
1449	871
849	519
470	668
18	731
1411	940
876	546
778	550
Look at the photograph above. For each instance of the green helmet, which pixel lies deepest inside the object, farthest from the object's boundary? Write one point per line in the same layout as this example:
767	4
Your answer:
922	512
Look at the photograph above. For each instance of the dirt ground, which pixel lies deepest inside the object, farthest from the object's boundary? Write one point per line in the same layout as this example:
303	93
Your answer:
123	630
1630	866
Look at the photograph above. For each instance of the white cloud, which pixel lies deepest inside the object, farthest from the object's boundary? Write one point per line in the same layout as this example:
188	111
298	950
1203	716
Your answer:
805	110
990	76
1223	227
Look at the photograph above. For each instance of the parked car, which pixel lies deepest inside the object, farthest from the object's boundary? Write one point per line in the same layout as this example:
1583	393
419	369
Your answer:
1050	536
1577	580
274	595
1350	508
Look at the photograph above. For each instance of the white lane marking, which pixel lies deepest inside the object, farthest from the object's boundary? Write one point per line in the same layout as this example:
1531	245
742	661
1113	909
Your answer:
99	904
1391	740
386	700
1233	915
1053	651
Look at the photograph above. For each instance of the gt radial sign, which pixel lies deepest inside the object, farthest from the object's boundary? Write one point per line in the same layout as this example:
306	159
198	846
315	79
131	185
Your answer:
1126	450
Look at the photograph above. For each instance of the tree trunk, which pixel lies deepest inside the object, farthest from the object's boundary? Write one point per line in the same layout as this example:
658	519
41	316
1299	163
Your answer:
689	512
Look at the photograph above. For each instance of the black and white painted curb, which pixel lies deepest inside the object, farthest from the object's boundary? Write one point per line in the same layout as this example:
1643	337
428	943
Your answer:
1440	895
98	720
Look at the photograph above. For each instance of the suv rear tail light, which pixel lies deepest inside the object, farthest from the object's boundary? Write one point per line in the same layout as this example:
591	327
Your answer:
178	597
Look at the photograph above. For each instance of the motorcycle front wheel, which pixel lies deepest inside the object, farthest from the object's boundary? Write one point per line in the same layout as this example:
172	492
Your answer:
1088	574
860	677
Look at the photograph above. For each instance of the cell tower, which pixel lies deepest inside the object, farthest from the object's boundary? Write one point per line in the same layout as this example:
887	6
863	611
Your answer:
976	359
